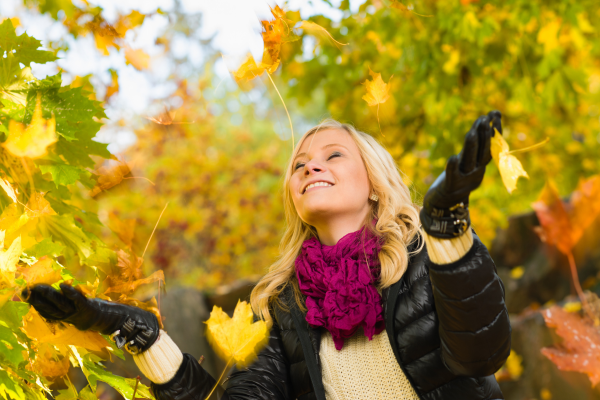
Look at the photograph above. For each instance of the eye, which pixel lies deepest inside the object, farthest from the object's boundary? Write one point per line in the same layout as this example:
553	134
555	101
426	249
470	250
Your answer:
334	154
298	165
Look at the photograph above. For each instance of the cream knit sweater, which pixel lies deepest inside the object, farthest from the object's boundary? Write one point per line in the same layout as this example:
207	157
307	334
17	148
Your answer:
343	371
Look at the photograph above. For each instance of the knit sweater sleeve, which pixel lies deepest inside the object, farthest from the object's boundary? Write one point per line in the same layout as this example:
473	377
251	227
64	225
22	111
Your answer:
446	251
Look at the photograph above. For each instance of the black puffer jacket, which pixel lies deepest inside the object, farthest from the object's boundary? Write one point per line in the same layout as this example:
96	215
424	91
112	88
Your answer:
447	324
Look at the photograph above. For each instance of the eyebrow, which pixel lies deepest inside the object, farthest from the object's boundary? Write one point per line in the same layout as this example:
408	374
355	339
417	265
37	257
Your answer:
322	148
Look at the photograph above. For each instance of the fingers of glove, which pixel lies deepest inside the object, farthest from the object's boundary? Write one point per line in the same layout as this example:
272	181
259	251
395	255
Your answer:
73	294
496	119
470	154
452	169
49	302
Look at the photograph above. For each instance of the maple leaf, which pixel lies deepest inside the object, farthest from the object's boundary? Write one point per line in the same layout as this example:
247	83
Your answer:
317	30
61	335
378	92
130	287
123	228
31	141
110	177
38	206
41	272
49	363
248	70
167	118
9	259
236	339
562	224
10	191
580	348
129	265
138	58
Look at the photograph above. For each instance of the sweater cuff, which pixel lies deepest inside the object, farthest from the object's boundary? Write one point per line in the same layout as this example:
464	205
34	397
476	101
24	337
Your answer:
447	251
161	361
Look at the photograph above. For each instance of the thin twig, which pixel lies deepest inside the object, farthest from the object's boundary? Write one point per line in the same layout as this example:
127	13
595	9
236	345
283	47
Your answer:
137	381
150	238
575	277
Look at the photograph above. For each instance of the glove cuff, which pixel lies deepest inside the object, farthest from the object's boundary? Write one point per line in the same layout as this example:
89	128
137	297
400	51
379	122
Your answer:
446	223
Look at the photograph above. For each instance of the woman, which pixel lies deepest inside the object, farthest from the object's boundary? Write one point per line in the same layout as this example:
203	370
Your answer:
361	303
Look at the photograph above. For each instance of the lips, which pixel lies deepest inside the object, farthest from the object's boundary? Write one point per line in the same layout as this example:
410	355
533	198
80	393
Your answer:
316	184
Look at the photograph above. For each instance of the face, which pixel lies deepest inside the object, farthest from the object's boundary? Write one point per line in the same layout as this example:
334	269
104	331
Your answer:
329	178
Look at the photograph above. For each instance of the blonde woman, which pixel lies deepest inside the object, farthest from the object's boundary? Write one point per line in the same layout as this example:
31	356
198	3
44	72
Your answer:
362	303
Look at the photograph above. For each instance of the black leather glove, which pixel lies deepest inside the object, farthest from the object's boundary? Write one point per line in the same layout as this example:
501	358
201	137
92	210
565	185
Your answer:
132	327
445	211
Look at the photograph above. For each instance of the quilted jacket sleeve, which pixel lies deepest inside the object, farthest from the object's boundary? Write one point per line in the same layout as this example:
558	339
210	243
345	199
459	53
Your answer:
266	378
473	321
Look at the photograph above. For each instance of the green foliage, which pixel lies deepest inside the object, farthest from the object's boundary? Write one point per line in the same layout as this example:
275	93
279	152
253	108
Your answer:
536	62
42	229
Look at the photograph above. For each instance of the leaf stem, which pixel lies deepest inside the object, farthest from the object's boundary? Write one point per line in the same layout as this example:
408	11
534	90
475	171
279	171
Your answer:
535	146
220	377
155	226
576	284
285	108
137	381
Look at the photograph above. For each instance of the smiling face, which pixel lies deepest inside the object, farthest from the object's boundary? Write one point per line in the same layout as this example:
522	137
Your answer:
329	180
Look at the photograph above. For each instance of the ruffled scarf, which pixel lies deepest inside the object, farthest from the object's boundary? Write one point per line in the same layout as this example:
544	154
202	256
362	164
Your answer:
339	285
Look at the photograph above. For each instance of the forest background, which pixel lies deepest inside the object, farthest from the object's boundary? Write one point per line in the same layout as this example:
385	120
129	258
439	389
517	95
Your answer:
165	165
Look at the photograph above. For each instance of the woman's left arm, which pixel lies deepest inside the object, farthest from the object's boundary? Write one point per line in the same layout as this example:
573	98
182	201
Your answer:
469	296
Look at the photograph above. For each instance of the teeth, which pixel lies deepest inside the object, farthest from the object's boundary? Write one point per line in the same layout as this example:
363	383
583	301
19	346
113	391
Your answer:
317	184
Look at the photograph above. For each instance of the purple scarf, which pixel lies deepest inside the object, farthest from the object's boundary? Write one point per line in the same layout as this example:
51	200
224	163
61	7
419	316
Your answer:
339	285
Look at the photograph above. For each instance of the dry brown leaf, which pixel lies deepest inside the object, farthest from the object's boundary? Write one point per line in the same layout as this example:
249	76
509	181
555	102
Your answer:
110	177
129	266
130	287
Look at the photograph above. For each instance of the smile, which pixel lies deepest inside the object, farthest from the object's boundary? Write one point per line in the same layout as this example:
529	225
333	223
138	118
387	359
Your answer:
316	184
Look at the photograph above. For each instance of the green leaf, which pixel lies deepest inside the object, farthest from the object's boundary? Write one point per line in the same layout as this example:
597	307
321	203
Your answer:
64	229
9	388
10	349
95	372
24	48
63	174
12	314
45	248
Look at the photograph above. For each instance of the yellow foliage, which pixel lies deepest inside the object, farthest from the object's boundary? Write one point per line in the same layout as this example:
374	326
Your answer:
31	141
61	335
41	272
236	339
9	259
138	58
378	91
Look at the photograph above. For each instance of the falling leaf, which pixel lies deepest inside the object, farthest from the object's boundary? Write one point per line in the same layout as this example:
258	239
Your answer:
378	92
123	228
110	177
49	363
236	339
562	224
41	272
31	141
407	9
113	88
138	58
248	70
129	265
167	118
9	258
61	335
580	348
317	30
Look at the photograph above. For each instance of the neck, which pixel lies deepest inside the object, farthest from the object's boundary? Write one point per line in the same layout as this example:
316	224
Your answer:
332	231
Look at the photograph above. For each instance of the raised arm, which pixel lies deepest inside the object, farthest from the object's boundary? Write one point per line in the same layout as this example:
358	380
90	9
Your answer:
469	296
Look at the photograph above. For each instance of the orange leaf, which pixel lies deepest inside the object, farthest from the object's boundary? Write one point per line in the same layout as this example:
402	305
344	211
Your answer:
129	265
130	287
110	177
113	88
41	272
580	349
123	228
248	70
562	224
61	335
138	58
49	363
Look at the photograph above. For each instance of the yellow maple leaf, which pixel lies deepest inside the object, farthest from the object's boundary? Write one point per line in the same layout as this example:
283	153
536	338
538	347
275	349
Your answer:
377	90
248	70
38	206
109	177
49	362
10	191
31	141
41	272
138	58
510	167
61	335
318	31
9	259
236	339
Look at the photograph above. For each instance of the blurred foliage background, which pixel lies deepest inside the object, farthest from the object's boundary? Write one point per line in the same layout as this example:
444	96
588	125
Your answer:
213	152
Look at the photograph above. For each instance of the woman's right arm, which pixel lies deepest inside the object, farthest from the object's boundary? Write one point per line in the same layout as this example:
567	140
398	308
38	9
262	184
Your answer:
267	378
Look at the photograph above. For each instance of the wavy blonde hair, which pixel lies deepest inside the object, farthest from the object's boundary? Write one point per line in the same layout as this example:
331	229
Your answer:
397	221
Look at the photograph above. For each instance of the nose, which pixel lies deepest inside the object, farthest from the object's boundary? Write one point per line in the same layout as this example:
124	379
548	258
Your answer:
312	167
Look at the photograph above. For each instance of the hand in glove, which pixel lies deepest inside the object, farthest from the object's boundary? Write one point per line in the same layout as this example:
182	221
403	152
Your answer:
445	206
129	326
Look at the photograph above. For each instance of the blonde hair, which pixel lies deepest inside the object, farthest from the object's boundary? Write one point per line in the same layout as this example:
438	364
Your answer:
397	221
